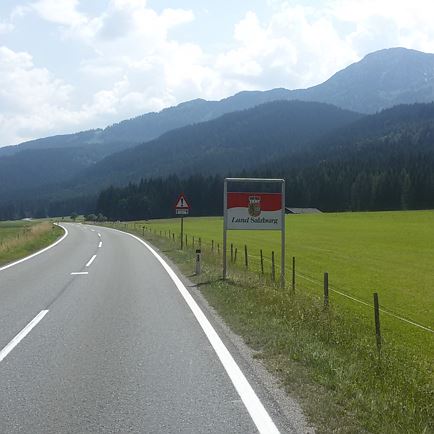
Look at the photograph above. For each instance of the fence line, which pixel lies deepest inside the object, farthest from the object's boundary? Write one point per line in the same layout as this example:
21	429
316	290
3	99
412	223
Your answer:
343	294
385	311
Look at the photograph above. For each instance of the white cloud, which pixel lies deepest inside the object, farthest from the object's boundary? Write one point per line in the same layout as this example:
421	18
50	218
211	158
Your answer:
31	99
135	64
295	48
6	27
62	12
300	46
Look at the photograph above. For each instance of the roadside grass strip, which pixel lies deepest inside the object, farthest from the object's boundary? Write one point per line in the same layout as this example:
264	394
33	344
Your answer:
26	242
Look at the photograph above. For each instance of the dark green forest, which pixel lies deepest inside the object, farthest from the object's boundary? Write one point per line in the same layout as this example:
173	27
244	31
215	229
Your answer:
330	186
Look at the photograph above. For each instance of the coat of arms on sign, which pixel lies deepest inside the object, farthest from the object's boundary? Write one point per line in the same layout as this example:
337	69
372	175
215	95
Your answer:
254	206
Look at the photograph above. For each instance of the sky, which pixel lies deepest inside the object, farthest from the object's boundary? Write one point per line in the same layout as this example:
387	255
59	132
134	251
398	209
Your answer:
72	65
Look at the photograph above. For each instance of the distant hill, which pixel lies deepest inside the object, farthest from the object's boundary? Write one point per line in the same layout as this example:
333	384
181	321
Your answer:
129	133
380	80
233	142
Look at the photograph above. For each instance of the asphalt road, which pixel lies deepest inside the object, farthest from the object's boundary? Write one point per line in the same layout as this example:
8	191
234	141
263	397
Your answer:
116	350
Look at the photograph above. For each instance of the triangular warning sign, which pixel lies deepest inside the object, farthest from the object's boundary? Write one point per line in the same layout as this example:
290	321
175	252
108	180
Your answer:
181	203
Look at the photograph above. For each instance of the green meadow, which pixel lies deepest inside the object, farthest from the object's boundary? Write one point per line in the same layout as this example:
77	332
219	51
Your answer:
391	253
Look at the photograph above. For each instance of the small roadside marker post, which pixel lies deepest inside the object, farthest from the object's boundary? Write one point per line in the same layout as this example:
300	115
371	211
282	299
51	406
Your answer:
198	261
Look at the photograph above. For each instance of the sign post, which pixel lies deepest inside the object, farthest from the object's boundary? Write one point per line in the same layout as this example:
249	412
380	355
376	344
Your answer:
254	211
182	208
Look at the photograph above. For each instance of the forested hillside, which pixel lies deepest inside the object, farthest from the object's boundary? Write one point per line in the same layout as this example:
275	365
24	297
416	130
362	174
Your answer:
377	162
382	162
233	142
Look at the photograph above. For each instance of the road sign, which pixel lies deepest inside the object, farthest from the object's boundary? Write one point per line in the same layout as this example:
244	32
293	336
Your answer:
182	208
260	211
182	203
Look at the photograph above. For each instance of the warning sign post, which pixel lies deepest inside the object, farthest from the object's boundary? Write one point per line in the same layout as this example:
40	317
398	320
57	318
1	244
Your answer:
254	211
182	208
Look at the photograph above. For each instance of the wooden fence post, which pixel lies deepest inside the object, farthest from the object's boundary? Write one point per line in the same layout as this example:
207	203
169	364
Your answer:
377	323
326	290
246	258
273	270
235	255
262	262
293	273
232	252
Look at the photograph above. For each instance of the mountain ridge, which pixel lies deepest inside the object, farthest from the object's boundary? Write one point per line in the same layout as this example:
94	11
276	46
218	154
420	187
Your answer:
379	80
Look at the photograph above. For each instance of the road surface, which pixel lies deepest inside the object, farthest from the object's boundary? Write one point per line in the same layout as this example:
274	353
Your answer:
97	336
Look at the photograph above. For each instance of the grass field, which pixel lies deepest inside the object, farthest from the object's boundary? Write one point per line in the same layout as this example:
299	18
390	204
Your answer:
21	238
391	253
328	357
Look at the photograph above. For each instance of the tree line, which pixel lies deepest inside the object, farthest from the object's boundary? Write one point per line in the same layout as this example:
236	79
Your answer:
330	186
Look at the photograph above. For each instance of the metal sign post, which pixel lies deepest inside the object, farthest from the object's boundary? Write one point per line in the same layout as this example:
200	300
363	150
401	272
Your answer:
254	211
182	208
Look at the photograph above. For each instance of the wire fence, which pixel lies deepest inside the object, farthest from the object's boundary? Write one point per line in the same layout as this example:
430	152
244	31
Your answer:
264	264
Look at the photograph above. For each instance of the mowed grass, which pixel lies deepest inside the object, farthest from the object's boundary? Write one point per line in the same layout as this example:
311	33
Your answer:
391	253
21	238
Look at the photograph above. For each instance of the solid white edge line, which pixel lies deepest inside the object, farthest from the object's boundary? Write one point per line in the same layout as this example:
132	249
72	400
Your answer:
40	251
90	261
79	273
22	334
100	244
254	406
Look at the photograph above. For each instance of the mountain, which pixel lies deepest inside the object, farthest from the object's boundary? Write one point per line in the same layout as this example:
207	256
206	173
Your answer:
380	80
233	142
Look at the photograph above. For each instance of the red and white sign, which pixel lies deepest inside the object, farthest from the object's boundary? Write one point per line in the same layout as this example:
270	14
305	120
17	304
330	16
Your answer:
250	211
182	207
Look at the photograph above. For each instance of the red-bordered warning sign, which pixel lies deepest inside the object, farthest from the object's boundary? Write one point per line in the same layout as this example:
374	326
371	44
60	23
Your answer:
182	207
